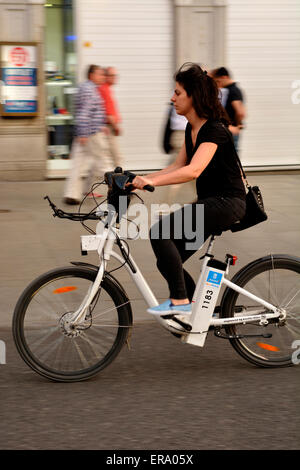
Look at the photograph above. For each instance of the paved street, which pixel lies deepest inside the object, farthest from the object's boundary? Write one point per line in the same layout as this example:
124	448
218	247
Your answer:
160	394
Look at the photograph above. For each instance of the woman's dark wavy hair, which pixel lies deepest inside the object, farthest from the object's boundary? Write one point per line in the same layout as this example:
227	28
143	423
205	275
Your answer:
203	90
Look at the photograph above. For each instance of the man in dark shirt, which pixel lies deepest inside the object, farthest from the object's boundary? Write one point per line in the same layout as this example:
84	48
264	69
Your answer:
232	100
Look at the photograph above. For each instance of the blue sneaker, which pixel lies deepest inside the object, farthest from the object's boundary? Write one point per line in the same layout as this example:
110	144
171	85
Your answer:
167	308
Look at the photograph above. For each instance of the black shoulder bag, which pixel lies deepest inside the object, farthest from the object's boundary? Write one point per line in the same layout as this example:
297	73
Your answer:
255	212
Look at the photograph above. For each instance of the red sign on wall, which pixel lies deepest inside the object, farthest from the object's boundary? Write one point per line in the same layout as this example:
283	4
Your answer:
19	57
18	69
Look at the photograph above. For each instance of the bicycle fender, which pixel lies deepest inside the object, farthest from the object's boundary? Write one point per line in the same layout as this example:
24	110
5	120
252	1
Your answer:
88	265
119	286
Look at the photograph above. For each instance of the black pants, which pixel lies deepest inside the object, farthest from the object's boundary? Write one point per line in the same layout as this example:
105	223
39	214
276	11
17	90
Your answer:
174	248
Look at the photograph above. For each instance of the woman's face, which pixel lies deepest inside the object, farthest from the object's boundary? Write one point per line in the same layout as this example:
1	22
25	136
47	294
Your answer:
182	102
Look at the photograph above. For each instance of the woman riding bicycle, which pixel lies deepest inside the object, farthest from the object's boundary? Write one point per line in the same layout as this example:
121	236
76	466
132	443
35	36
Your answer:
207	156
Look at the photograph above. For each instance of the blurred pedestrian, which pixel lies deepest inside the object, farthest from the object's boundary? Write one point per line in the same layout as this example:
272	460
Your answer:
177	125
176	130
89	149
112	114
231	99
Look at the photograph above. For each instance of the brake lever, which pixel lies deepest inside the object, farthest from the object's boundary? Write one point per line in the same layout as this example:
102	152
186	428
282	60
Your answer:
57	212
130	175
53	206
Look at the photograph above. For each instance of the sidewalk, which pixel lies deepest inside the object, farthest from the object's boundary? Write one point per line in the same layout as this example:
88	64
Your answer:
33	241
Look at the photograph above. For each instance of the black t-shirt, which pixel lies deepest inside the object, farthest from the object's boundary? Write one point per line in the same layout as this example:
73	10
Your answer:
222	176
234	93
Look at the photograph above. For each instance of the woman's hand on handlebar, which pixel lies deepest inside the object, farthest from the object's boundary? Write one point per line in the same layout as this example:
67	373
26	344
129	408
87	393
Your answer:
140	181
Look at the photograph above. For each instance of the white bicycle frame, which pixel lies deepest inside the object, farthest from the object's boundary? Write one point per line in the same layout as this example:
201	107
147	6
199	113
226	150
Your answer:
206	292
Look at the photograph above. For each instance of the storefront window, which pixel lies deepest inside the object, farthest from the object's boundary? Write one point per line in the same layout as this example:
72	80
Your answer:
60	66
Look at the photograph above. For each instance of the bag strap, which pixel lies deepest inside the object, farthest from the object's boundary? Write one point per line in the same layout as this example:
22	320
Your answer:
236	155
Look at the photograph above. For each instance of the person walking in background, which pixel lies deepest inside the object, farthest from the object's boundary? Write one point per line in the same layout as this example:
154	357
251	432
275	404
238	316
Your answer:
90	144
231	99
176	127
112	114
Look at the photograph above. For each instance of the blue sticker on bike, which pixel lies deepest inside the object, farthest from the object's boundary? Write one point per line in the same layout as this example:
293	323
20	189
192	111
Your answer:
214	278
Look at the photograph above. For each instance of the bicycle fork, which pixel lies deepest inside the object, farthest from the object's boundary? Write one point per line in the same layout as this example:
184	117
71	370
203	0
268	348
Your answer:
105	243
80	314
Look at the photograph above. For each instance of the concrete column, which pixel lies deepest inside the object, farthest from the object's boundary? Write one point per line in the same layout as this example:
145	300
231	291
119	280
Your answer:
200	32
23	140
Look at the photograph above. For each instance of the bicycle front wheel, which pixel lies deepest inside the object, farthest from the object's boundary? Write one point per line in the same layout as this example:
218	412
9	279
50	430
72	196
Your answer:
43	331
275	279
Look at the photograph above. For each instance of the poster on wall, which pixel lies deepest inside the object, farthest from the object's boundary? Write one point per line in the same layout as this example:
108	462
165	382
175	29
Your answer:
19	93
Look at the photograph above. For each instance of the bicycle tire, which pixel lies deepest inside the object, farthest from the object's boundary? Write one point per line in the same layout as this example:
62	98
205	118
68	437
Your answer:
283	272
44	338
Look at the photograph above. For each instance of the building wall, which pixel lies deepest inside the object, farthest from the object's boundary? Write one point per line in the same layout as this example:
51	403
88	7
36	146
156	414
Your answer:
23	140
263	52
136	37
200	32
146	41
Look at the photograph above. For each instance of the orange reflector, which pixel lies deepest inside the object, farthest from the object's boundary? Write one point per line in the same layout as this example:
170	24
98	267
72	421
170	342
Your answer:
268	347
62	290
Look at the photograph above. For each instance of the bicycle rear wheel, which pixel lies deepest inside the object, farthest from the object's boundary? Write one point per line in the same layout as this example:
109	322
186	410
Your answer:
276	279
45	337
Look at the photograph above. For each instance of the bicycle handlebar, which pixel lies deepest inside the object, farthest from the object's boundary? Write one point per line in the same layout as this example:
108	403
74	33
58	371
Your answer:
73	215
149	188
116	181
